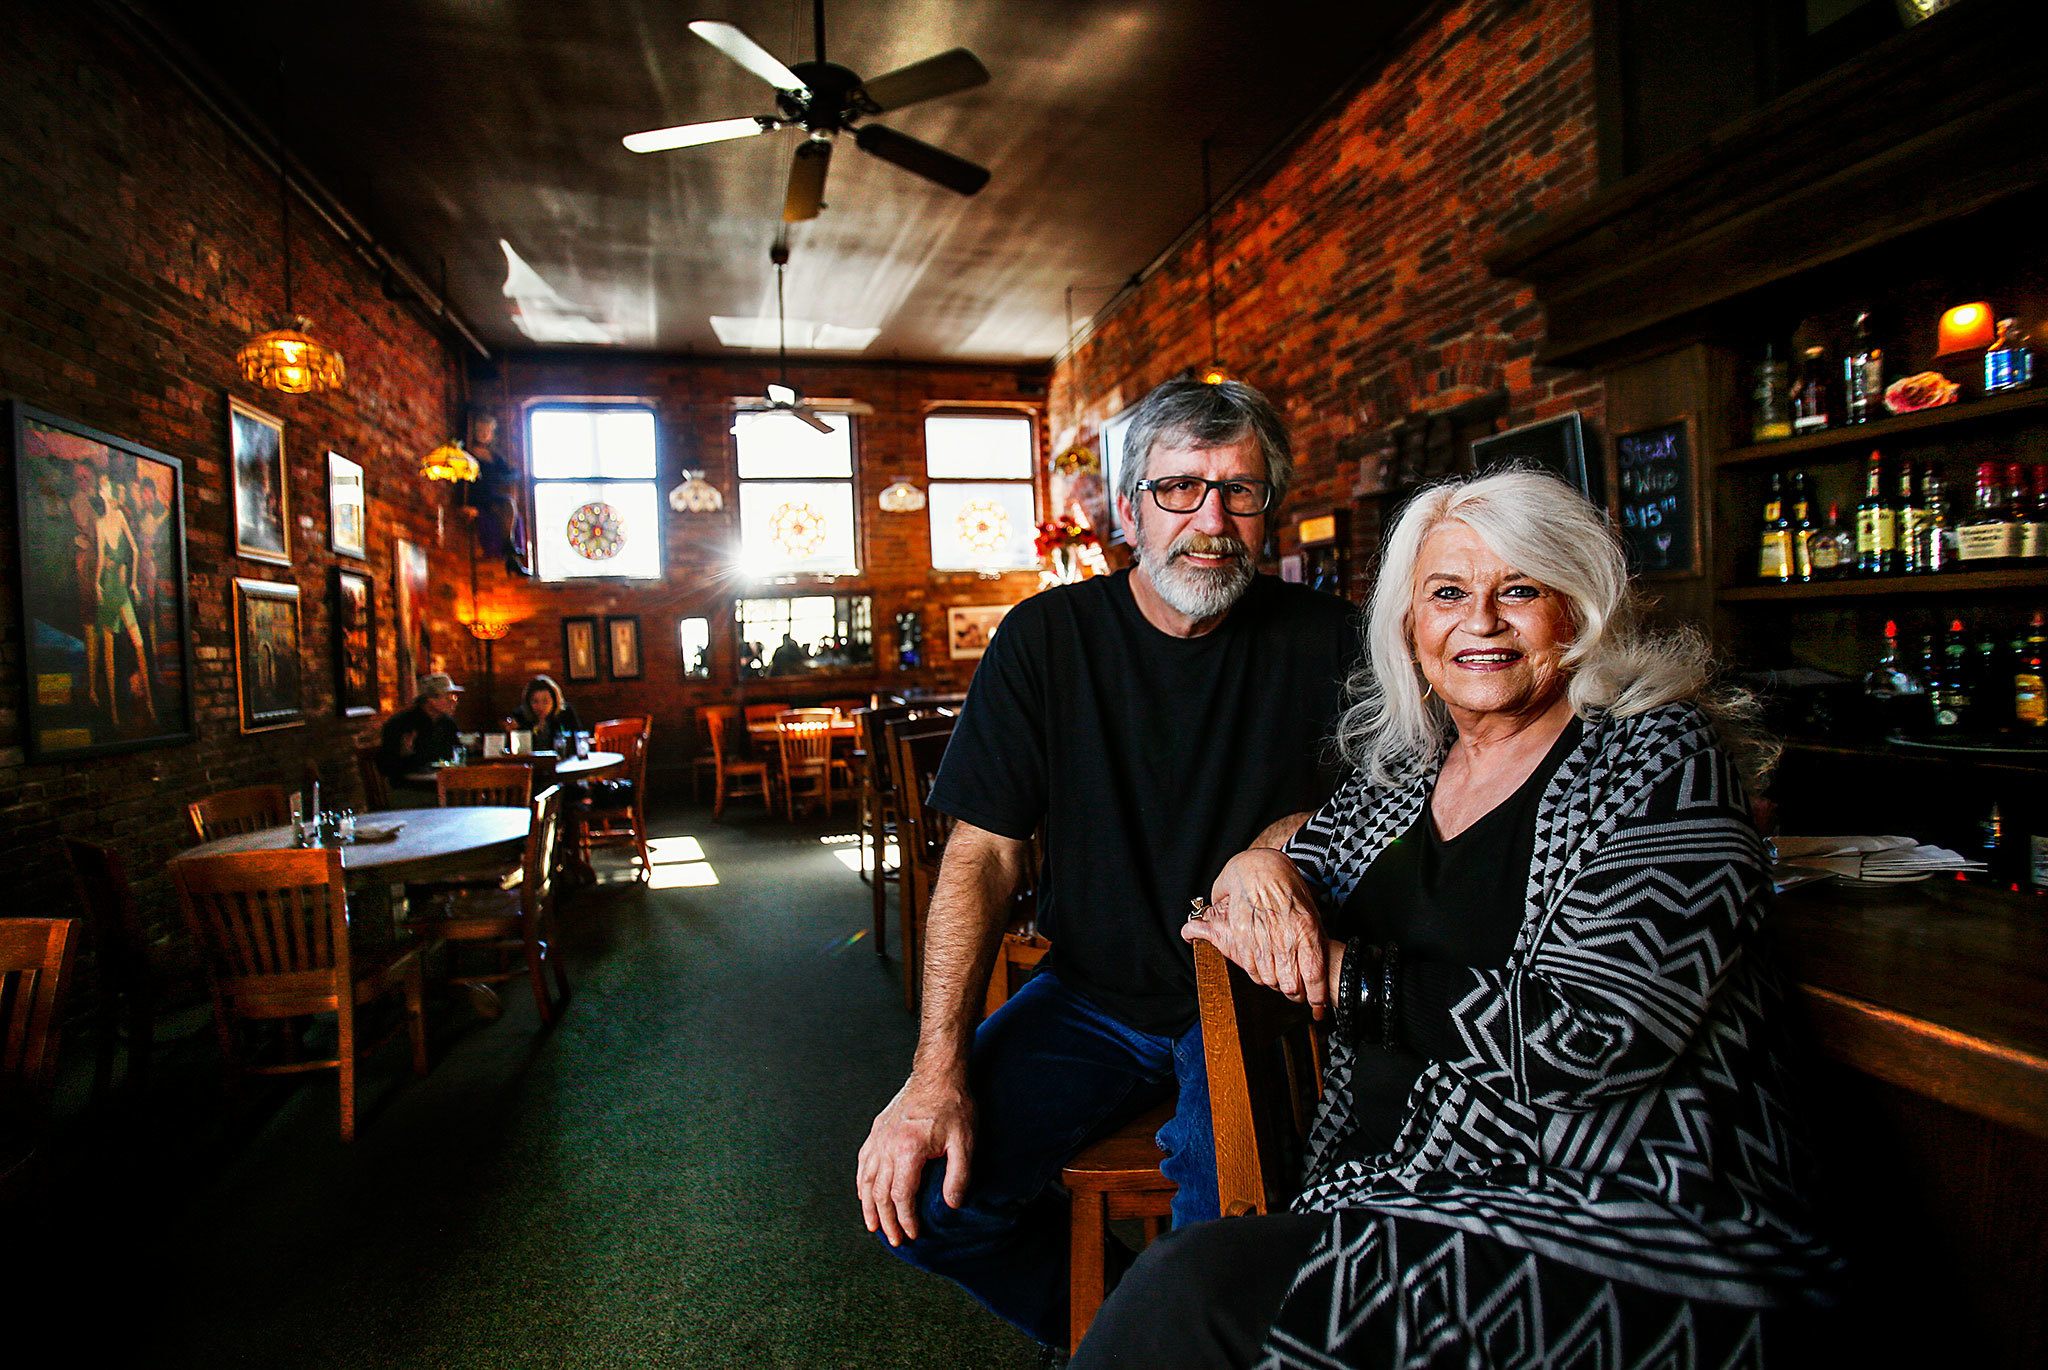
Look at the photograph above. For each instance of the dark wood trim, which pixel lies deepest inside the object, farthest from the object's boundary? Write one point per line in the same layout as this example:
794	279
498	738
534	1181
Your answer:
1868	434
1942	583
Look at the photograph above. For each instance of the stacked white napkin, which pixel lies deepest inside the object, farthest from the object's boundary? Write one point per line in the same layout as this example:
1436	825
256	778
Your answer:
1869	859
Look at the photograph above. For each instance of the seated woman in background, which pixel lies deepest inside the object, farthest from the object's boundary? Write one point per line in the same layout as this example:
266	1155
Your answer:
1554	1126
551	718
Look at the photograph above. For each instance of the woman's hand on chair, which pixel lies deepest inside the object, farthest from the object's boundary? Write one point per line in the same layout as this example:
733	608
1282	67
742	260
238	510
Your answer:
1263	917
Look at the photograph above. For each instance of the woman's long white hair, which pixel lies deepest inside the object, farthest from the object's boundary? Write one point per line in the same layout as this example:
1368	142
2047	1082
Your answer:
1549	532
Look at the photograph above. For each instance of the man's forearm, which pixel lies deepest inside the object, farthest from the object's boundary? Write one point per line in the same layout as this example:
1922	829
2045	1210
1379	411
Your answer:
961	934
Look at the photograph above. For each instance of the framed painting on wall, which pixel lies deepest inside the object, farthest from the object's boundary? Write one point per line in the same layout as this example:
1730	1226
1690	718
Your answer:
267	655
101	579
355	643
971	628
622	646
579	648
348	508
262	511
1556	445
415	641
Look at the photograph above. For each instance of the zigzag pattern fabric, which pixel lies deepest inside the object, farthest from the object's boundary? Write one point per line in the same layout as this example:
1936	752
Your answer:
1618	1106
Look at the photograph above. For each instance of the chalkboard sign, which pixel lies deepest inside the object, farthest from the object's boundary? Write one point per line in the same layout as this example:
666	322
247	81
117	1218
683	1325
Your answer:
1656	497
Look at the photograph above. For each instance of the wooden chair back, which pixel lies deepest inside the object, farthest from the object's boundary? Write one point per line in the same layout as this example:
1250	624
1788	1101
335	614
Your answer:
916	747
506	785
36	956
614	823
764	713
120	950
537	877
736	762
1265	1060
622	735
376	789
238	811
271	925
805	739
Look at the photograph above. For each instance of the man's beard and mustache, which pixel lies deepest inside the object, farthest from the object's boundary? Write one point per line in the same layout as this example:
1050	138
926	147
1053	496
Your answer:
1200	592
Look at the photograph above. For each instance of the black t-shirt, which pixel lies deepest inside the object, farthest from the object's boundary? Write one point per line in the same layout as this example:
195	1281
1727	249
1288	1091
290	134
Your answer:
1151	760
434	740
1453	905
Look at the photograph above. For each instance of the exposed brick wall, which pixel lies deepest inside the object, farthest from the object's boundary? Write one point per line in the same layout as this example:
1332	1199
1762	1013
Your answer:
138	250
693	402
1349	277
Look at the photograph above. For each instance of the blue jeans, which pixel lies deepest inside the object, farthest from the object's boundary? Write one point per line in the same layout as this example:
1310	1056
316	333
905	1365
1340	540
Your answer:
1050	1072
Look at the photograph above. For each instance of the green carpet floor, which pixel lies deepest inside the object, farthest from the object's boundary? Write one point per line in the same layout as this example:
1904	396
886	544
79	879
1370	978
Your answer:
663	1179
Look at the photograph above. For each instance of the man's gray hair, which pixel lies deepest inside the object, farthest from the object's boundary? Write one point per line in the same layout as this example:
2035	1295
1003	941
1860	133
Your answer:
1189	413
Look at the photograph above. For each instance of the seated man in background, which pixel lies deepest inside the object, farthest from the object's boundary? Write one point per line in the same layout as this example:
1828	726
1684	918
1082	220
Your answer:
422	734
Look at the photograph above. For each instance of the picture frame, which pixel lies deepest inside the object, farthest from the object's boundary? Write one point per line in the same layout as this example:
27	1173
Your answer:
267	683
622	646
409	590
1112	437
579	648
355	643
1556	445
262	504
348	508
93	691
970	628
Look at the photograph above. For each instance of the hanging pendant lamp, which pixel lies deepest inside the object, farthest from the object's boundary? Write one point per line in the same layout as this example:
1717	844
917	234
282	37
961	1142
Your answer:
289	359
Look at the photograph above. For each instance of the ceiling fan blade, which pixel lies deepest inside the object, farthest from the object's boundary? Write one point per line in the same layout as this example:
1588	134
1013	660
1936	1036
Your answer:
807	180
694	135
810	416
747	53
926	80
921	159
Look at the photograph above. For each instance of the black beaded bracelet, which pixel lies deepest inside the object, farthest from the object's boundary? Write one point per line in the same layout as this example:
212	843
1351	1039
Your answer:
1390	959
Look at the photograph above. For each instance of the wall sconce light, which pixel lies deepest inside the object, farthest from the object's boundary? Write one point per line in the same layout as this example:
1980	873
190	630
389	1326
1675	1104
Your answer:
1966	328
696	495
450	462
902	498
489	629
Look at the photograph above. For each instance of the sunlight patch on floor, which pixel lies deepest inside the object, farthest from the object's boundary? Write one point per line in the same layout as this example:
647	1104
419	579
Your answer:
681	875
840	839
667	849
850	857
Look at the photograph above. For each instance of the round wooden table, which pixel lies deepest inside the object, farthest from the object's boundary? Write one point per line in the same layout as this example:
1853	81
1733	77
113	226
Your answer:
432	844
596	766
547	767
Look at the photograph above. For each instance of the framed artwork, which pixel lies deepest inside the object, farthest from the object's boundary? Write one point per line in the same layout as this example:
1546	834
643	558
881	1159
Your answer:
348	508
355	643
106	647
267	655
1113	468
256	456
970	629
415	642
1556	445
622	646
579	648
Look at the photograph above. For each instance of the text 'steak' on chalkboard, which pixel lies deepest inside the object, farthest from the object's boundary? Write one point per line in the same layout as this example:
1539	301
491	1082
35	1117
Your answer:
1656	495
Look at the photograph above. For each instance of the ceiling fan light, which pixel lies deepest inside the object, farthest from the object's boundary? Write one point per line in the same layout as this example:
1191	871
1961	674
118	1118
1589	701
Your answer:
449	462
901	497
291	361
781	394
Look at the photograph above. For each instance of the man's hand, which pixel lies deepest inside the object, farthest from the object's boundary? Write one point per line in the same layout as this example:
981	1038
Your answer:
924	1121
1273	925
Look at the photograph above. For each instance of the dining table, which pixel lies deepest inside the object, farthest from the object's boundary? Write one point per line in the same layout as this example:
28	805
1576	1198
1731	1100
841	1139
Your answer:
548	767
430	844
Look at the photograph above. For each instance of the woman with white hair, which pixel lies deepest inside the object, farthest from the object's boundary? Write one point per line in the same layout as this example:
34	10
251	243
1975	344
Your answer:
1554	1125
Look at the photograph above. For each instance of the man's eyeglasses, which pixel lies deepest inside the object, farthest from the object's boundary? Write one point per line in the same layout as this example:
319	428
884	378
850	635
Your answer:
1184	494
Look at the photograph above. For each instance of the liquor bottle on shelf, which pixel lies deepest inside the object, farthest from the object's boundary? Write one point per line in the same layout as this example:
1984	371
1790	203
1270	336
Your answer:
2034	517
1863	375
1833	548
2030	677
1938	532
1877	525
1992	666
1912	519
1774	548
1987	537
2009	361
1948	692
1805	532
1771	398
1895	695
1813	393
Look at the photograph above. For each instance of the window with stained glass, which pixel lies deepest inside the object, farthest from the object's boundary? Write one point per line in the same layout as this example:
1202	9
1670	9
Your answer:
983	501
796	495
595	512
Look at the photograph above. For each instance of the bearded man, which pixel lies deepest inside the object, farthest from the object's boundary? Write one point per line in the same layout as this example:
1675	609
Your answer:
1152	723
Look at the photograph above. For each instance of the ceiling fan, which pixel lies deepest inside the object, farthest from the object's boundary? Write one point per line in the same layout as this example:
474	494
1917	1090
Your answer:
784	398
826	100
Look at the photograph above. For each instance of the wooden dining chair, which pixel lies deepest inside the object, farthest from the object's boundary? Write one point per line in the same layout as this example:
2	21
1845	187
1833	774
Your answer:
1114	1179
125	993
238	811
766	712
36	957
376	788
803	739
273	929
511	922
615	814
505	785
1017	957
1265	1060
740	773
916	747
711	718
877	810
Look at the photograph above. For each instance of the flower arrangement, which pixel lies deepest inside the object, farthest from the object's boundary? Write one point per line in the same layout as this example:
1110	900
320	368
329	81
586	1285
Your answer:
1069	543
1066	531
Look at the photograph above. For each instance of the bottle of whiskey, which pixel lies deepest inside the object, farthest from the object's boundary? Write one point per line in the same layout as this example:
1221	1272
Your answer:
1771	398
2034	515
1863	375
1805	532
1991	669
1892	691
1912	519
1833	547
1774	549
1938	535
1877	525
1986	538
2030	677
2009	361
1813	394
1948	693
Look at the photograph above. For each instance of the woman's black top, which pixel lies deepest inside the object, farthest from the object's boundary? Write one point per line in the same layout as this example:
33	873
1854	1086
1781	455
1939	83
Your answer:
558	733
1452	904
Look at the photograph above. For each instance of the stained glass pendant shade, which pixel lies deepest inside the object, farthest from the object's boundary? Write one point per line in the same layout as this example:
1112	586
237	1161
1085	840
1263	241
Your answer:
596	531
291	360
449	461
696	495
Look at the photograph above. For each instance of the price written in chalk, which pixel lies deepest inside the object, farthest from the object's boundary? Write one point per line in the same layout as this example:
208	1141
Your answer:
1654	486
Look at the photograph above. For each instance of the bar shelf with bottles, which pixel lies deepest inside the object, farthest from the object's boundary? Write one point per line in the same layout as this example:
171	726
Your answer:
1919	422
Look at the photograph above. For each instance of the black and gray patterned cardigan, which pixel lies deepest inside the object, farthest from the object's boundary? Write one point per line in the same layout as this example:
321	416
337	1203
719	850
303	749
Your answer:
1619	1102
